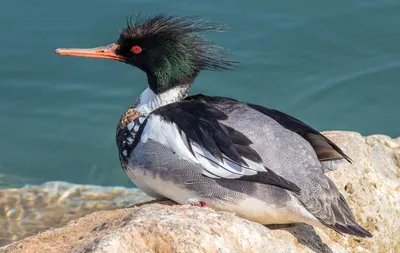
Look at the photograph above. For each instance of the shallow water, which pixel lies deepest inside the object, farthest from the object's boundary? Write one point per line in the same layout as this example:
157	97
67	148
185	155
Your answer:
335	65
32	209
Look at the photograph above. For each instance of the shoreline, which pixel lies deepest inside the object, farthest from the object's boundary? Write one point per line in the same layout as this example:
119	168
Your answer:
31	209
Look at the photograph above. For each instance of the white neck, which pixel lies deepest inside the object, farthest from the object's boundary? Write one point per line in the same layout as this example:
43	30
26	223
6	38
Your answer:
149	101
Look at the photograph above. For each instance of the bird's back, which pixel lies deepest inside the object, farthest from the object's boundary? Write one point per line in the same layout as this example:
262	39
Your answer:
291	156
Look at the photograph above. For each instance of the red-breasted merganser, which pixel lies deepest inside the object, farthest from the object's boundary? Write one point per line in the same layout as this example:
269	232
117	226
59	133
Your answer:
259	163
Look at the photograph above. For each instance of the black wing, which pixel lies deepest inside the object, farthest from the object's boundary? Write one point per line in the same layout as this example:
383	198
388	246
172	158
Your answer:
192	129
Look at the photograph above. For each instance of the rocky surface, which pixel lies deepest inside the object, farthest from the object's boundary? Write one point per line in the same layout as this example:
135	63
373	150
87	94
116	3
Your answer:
371	185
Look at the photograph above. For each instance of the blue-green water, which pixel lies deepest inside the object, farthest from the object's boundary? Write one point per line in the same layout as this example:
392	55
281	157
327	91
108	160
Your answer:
333	64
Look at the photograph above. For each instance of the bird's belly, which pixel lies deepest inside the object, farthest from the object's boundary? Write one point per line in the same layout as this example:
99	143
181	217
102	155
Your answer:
264	212
140	179
157	188
248	207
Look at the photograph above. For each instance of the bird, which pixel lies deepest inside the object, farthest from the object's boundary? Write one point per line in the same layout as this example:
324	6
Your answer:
259	163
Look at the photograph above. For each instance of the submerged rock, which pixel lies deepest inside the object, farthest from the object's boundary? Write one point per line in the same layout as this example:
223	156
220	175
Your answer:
371	185
32	209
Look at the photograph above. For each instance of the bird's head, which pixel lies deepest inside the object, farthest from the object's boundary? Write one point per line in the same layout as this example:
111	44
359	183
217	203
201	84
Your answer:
169	49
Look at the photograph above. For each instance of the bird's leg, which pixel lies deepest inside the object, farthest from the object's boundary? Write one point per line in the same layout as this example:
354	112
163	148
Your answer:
280	226
195	202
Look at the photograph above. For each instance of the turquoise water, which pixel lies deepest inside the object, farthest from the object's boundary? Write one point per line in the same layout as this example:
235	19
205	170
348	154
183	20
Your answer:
333	64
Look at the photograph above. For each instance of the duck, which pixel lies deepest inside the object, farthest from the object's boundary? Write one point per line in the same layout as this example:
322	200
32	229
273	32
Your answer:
218	152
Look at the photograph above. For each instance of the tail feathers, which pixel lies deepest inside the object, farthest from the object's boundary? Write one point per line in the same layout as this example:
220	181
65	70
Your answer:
338	215
345	220
355	230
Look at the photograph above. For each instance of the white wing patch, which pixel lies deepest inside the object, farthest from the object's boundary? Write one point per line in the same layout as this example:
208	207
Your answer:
168	134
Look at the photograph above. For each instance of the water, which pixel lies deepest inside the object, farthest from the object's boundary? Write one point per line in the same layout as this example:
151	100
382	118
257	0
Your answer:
334	65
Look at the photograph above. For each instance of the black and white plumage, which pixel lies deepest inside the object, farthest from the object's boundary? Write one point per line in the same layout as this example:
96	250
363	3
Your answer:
259	163
327	151
193	131
206	131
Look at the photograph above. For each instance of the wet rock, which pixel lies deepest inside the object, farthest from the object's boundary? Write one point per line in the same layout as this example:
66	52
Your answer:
32	209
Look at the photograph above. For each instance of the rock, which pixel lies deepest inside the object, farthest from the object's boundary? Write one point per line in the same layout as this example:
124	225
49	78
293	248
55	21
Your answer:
163	228
371	185
374	177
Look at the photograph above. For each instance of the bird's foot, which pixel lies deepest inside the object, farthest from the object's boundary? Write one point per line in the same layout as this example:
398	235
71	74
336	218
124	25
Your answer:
280	226
195	202
158	201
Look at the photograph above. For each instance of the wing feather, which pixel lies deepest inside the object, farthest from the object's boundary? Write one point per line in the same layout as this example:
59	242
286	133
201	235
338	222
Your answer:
326	150
192	130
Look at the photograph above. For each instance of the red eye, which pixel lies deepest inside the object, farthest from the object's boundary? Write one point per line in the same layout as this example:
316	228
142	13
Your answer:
136	49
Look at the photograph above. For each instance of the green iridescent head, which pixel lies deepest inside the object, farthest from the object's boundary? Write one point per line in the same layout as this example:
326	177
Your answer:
169	49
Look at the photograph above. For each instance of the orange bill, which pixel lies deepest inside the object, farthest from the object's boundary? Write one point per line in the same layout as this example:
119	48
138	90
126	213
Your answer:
105	52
